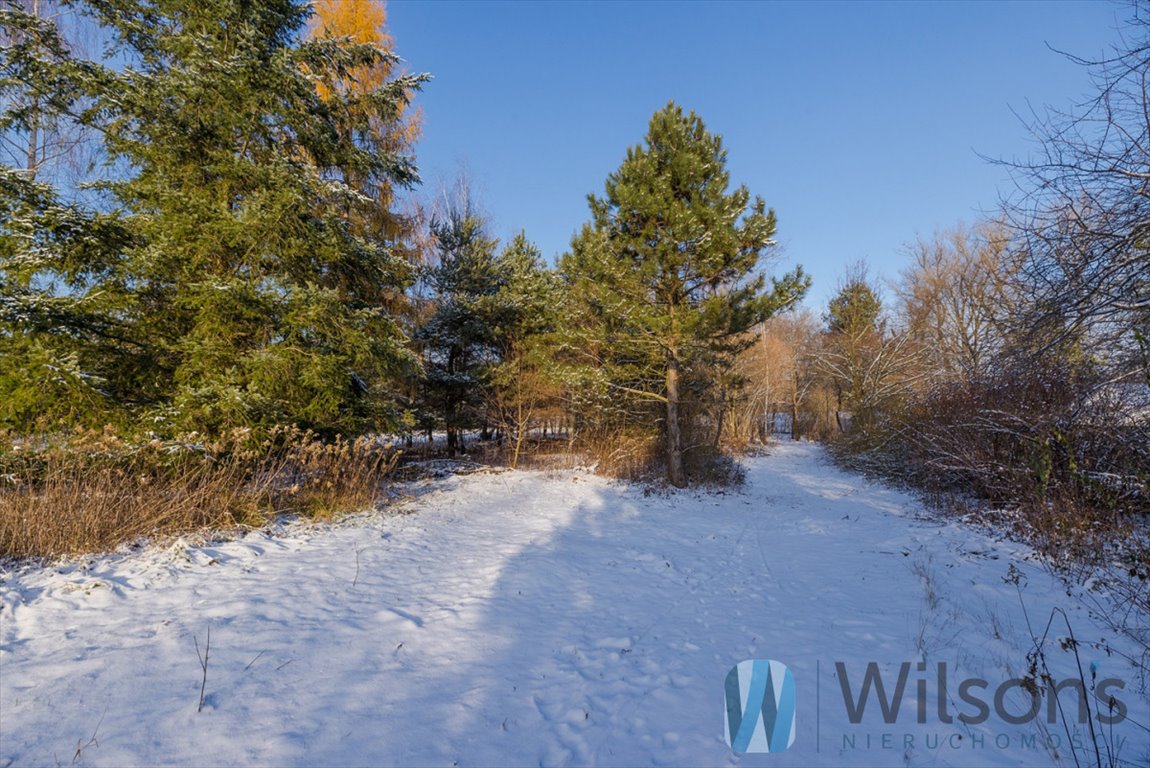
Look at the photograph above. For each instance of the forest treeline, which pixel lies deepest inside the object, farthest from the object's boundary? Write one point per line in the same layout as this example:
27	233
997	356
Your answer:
240	258
210	246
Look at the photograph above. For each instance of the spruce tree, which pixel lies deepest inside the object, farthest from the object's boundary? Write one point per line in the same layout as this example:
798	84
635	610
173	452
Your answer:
230	280
667	267
458	338
67	353
263	298
365	21
525	317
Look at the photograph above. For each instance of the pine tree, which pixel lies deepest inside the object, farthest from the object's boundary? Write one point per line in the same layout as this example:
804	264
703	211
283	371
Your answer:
668	264
855	336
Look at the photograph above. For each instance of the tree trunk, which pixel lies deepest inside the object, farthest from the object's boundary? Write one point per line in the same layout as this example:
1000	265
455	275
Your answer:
722	415
34	120
675	471
520	430
452	400
839	409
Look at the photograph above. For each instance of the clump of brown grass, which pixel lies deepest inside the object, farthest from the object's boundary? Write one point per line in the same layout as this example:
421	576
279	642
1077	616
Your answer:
330	478
93	491
624	456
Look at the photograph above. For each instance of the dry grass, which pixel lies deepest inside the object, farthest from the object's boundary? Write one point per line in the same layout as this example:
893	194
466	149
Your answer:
625	456
621	455
331	478
638	457
94	491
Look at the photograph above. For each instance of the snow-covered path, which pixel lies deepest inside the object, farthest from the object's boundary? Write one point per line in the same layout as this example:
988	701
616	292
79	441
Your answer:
527	618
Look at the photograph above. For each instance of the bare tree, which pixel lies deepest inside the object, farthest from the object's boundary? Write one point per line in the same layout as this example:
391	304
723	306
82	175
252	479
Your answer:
44	134
1083	212
763	368
957	297
869	362
799	332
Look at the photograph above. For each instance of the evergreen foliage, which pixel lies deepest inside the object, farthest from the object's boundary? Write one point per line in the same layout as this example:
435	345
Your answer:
67	355
488	344
390	134
855	309
231	263
459	337
524	382
664	277
854	340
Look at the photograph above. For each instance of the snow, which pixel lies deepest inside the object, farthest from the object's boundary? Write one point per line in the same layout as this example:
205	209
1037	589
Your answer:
531	618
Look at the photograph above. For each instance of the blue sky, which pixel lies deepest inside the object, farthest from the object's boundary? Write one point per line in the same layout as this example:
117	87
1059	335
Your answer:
860	123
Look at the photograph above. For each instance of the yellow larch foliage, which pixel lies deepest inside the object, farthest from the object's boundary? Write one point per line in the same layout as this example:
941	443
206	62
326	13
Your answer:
365	21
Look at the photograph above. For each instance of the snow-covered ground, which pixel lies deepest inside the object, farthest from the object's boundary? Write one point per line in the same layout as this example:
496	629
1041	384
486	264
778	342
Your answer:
526	618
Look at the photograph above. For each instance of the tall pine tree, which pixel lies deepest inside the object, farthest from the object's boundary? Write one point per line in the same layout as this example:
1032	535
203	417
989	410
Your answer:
668	266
